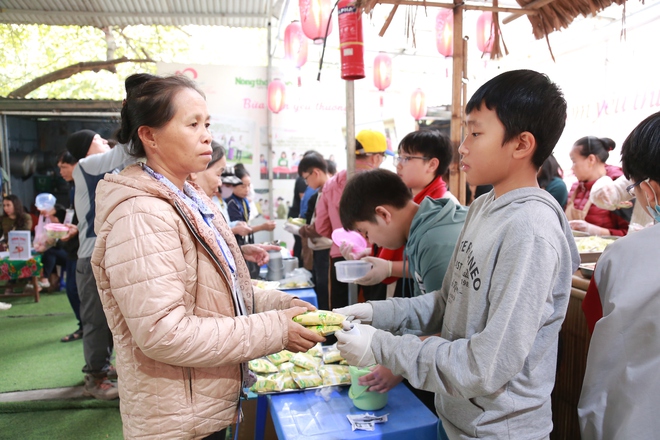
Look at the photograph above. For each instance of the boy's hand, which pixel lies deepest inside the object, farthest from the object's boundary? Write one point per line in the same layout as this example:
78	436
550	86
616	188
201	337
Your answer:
346	250
380	380
363	312
380	269
355	347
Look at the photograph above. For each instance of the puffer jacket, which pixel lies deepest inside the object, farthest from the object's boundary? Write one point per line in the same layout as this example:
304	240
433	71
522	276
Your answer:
164	286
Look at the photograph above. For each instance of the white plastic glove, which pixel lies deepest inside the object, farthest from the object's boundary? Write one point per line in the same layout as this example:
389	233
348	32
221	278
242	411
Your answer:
610	195
380	269
293	229
584	226
346	250
355	346
363	312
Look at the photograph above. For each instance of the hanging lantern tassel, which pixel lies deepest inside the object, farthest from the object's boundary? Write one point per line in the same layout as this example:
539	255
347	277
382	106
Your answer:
489	35
418	104
276	95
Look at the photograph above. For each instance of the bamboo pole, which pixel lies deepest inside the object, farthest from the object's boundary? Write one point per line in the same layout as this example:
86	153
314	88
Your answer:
465	6
350	128
536	4
456	126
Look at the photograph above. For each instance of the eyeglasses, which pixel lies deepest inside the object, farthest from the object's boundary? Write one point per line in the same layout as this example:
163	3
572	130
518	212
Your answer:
404	159
305	177
630	189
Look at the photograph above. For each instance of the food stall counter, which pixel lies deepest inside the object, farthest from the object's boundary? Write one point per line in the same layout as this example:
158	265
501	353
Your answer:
305	415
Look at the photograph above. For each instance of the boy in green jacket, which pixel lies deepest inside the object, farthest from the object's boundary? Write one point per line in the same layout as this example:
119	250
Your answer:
380	206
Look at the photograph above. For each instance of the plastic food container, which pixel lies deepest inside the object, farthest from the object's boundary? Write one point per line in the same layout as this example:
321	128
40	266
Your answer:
363	399
56	230
349	271
341	235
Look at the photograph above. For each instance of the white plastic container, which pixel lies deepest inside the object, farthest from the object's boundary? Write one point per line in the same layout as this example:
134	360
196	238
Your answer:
351	270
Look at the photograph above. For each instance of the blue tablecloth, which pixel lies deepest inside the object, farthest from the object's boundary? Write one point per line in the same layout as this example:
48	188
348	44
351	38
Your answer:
308	295
303	415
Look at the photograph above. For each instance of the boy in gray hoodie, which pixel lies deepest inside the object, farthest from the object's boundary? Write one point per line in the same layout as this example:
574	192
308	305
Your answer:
506	290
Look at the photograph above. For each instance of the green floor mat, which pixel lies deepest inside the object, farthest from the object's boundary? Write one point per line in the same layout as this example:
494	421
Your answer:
31	354
49	304
75	424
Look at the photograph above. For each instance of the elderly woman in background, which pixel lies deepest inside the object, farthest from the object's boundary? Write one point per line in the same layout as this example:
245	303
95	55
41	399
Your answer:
208	181
173	282
589	155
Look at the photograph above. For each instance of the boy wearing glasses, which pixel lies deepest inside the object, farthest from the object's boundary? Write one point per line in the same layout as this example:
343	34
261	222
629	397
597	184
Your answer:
505	294
423	158
620	392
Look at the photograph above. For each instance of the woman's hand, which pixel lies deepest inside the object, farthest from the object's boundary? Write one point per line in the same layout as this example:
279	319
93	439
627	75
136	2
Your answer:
73	231
267	226
300	338
380	379
258	253
255	254
584	226
300	303
242	229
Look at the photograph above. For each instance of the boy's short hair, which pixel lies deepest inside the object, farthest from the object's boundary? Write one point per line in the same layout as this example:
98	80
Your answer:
332	166
640	153
525	100
430	143
367	190
311	161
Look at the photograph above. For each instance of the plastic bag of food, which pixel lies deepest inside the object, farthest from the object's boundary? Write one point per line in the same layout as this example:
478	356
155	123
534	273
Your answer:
285	380
324	330
332	355
316	351
286	366
262	366
306	361
265	384
280	357
335	374
307	379
319	317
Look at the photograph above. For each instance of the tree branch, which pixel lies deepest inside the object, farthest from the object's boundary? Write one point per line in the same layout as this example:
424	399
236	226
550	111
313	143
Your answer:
69	71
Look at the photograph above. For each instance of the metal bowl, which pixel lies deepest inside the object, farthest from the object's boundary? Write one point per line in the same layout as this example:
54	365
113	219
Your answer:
587	269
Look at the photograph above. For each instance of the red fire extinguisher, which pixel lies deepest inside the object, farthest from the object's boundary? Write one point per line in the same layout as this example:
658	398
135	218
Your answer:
351	43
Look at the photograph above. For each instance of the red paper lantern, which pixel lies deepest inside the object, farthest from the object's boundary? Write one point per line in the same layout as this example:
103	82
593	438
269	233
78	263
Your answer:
418	104
485	32
382	71
444	32
276	95
295	44
314	16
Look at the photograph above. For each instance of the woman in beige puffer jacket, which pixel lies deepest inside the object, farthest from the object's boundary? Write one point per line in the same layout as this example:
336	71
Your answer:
183	313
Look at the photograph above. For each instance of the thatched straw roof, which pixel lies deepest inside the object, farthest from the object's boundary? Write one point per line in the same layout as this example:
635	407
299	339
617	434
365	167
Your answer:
559	14
552	15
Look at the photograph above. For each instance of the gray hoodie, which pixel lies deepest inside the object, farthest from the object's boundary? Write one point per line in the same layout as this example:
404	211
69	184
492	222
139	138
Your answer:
499	313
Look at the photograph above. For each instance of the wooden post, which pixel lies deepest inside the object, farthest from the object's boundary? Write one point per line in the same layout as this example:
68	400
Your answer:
456	183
